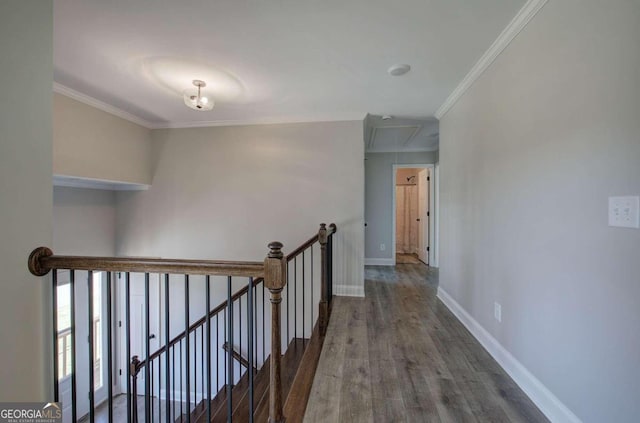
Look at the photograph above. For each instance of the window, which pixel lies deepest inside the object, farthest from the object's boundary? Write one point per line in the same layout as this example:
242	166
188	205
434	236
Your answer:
64	329
97	330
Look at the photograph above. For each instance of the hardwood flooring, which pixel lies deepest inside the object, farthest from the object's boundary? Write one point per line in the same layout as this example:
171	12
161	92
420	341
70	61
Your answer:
399	355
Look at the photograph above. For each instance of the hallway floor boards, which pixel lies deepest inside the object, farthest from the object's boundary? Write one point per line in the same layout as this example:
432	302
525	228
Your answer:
400	355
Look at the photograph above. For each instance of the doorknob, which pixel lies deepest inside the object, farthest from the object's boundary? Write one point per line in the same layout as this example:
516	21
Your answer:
417	220
152	336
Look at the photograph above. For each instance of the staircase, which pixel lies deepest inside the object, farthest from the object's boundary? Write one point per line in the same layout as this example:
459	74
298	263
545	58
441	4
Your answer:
240	392
275	322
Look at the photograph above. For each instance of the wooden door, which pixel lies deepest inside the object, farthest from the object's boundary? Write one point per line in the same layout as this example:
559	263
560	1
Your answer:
423	215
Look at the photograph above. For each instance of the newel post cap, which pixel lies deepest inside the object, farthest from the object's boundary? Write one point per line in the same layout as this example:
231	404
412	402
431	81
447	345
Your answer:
275	250
322	234
275	267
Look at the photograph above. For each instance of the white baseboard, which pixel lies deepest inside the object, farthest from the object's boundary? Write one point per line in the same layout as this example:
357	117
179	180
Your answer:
348	291
546	401
379	262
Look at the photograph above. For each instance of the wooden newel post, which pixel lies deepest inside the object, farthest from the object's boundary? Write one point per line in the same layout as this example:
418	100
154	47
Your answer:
275	279
134	369
323	306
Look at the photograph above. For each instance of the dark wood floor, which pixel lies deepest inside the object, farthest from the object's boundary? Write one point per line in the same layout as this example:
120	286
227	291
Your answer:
400	355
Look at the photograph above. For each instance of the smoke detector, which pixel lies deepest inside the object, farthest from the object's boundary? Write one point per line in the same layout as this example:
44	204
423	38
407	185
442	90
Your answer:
399	69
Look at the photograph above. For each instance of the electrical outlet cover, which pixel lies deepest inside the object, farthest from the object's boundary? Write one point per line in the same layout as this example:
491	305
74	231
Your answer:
624	212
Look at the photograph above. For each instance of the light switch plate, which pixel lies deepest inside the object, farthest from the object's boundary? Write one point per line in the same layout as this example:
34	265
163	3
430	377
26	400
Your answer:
624	212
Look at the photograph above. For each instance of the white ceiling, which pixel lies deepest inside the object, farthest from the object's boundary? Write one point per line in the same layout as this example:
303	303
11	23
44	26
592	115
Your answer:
272	61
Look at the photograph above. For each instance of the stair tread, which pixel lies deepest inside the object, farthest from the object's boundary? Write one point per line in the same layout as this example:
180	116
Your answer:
260	387
289	366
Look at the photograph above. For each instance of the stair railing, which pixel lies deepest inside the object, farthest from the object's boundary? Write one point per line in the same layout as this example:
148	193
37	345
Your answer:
272	274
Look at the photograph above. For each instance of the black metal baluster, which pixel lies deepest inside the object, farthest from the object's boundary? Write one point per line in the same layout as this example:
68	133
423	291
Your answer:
239	334
330	287
173	382
91	340
56	353
186	348
304	327
313	306
264	357
202	364
217	356
208	306
195	366
74	370
295	298
288	302
127	300
250	345
226	366
152	370
167	368
230	351
147	348
255	324
181	377
109	350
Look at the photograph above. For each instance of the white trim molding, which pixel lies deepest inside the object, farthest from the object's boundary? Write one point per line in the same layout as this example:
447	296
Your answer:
546	401
101	105
348	291
342	117
379	262
92	183
517	24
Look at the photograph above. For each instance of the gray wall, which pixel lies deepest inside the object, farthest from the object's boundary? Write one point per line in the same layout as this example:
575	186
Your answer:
226	192
528	158
84	221
26	72
379	191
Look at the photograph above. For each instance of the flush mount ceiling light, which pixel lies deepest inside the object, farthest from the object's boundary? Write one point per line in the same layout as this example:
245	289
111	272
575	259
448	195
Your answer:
398	70
195	99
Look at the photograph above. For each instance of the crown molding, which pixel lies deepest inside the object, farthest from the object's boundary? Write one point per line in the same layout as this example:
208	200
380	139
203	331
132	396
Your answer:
101	105
105	107
517	24
343	117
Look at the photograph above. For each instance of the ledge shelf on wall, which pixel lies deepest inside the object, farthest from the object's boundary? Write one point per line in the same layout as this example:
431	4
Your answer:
90	183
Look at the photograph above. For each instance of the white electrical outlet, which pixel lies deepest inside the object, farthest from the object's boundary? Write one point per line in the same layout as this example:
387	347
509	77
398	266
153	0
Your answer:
383	247
497	311
624	212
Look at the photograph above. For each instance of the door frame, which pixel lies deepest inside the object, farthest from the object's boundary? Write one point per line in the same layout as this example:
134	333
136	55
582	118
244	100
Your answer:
432	207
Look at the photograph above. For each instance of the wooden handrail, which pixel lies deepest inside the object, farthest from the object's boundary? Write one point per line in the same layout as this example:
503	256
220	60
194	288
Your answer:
42	260
303	247
237	356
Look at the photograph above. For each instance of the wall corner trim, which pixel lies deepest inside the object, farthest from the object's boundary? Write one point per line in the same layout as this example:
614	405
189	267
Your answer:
517	24
379	262
349	291
546	401
100	105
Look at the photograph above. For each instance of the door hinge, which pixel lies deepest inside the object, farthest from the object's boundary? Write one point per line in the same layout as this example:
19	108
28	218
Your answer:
428	214
120	371
119	323
428	179
427	249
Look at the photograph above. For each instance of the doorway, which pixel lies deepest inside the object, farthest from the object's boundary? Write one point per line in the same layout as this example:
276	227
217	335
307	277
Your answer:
413	220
